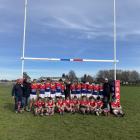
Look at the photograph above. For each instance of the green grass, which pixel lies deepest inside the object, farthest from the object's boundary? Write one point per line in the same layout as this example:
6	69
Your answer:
71	127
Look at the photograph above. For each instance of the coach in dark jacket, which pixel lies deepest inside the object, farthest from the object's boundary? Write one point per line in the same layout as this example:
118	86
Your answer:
17	93
26	93
67	90
106	92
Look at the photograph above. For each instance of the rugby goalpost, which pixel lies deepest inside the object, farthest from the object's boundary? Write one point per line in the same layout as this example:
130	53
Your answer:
114	61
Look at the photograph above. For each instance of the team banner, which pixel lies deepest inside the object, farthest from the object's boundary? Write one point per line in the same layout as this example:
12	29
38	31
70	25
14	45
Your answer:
117	89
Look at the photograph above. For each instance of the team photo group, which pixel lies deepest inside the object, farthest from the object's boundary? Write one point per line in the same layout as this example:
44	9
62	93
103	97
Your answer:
47	97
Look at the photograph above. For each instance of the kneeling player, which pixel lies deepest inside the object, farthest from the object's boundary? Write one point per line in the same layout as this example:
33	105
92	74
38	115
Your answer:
60	104
92	105
84	105
38	107
75	105
99	103
50	107
116	108
68	105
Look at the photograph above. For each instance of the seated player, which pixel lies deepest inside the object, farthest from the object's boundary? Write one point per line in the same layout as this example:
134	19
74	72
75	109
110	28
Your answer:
38	107
75	105
99	103
48	88
68	105
92	105
84	105
50	107
42	88
60	104
116	108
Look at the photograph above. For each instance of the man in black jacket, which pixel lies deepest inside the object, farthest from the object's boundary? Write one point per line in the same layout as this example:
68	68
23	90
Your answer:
17	94
106	93
26	93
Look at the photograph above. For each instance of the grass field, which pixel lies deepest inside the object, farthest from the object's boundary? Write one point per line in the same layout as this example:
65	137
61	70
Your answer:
71	127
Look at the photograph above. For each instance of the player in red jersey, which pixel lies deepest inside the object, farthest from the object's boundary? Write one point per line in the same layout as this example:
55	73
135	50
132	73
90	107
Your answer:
84	105
99	107
75	105
78	90
73	90
116	108
58	88
84	89
49	107
53	90
48	88
96	91
63	89
38	107
60	104
92	105
42	88
89	89
33	94
68	104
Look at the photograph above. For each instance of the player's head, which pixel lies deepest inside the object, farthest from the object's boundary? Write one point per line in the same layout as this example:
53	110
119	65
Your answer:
67	98
75	98
91	99
34	80
98	98
84	98
106	80
39	98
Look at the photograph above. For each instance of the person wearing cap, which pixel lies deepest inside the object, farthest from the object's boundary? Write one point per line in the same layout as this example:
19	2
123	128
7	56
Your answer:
106	93
17	94
26	93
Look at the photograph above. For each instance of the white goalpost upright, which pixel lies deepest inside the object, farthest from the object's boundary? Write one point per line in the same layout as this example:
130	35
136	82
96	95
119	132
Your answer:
23	58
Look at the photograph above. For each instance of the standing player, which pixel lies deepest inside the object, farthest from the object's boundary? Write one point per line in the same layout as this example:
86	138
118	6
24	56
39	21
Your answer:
38	107
63	89
78	90
84	105
89	89
92	105
58	88
33	95
99	103
73	90
42	88
48	88
60	104
53	90
84	89
95	91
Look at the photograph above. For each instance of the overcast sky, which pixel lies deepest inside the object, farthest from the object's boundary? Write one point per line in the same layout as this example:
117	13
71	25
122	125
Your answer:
68	29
